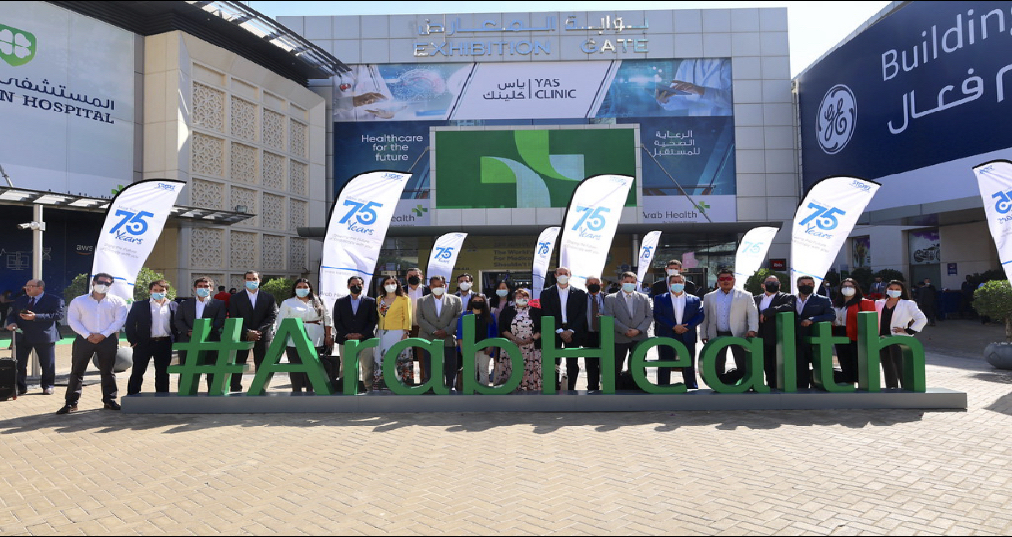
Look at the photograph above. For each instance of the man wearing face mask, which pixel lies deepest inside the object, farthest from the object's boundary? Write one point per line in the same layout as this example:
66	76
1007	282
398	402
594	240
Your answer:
201	306
677	314
596	308
96	317
415	290
258	311
811	309
437	319
770	303
729	312
355	318
633	313
673	268
151	329
567	305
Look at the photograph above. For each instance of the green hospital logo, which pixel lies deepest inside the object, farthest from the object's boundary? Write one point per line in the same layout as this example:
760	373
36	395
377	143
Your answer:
17	47
702	206
419	210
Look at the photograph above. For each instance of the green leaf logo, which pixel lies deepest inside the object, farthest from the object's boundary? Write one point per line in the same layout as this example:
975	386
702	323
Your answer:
17	47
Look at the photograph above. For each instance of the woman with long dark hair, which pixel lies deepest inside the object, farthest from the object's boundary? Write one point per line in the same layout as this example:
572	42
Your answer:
521	324
394	308
484	328
316	321
849	301
897	316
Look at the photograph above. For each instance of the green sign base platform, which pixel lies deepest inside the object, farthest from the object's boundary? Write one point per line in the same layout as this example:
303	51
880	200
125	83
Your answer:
575	401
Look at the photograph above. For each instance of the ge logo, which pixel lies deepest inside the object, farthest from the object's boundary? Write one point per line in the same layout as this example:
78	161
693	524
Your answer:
594	217
134	222
544	248
837	119
444	252
826	216
366	212
1004	203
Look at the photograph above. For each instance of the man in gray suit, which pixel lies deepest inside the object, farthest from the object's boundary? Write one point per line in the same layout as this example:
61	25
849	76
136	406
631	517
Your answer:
633	313
202	306
729	312
437	319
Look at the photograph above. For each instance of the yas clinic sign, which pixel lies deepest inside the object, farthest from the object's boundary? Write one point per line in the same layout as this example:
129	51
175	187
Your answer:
927	88
67	91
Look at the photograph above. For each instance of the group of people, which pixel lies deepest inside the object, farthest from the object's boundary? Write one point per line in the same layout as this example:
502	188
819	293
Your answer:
671	309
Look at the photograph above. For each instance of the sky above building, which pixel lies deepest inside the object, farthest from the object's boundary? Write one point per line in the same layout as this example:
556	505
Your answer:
814	27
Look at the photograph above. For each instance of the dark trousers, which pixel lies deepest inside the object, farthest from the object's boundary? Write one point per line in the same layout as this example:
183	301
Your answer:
300	380
804	361
47	361
241	357
450	366
572	364
622	351
81	354
593	341
665	353
770	361
847	354
737	353
892	365
421	356
161	351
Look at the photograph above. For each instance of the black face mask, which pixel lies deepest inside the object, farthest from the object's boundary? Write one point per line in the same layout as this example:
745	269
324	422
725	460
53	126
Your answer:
806	289
772	287
478	306
594	288
414	280
355	289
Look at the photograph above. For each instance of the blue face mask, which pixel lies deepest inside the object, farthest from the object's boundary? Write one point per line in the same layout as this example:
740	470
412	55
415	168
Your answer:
628	287
677	288
302	293
252	286
203	292
158	296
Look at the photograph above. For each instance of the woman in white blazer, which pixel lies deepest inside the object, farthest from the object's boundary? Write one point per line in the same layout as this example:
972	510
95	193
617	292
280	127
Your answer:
897	316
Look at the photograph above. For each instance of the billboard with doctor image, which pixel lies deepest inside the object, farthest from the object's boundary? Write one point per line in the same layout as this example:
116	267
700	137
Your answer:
385	115
913	102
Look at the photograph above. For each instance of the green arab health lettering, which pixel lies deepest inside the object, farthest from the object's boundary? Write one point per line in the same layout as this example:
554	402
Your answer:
17	47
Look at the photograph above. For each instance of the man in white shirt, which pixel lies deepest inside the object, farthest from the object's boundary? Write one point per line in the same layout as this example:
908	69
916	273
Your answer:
634	313
596	308
568	305
151	329
437	319
96	318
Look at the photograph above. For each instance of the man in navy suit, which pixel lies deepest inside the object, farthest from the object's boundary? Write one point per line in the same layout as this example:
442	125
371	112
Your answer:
355	318
811	308
770	303
258	310
568	305
677	314
202	306
36	314
151	329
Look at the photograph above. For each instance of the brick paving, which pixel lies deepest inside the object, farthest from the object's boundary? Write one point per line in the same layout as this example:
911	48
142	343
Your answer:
785	472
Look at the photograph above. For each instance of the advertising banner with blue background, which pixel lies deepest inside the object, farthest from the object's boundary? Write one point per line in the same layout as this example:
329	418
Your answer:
913	102
386	115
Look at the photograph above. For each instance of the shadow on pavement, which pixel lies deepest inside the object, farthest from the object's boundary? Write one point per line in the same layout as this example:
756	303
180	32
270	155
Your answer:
102	421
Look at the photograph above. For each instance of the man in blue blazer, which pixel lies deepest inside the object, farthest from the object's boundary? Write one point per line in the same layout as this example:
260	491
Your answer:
151	328
677	314
811	308
37	314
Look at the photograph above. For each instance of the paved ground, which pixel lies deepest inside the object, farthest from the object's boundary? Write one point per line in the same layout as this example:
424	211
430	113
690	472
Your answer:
786	472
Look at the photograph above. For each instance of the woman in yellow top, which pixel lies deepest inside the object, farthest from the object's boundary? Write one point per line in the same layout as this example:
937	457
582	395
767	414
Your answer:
394	325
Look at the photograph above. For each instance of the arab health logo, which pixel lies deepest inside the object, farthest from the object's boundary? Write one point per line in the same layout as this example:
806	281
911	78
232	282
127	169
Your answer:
837	119
17	47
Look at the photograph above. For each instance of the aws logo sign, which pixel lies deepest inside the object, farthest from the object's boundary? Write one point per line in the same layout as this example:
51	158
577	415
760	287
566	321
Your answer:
17	47
83	249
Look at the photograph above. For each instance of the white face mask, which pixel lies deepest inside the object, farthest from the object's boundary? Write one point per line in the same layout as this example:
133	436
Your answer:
674	272
438	291
894	293
848	291
521	302
101	289
465	286
564	280
390	288
502	292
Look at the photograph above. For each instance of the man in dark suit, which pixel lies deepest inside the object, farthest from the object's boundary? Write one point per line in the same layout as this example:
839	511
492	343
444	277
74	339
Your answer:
355	318
415	290
770	303
811	308
596	308
202	306
673	267
151	329
568	305
677	315
258	310
36	314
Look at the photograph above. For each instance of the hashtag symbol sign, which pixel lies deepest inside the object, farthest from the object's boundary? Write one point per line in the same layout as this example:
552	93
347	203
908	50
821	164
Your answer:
224	351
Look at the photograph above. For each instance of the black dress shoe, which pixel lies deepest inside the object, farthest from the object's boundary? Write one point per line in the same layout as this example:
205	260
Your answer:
67	409
22	392
112	405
